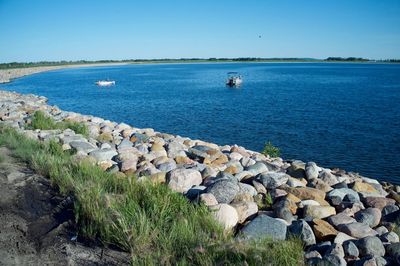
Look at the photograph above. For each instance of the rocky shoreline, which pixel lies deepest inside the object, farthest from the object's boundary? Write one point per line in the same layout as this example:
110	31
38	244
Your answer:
342	217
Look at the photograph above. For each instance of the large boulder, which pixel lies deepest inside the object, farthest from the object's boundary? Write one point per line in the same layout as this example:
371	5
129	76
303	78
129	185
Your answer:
323	230
82	146
103	154
370	246
311	170
318	212
369	216
224	190
342	192
257	168
357	230
181	179
301	229
340	218
225	214
264	226
272	180
378	202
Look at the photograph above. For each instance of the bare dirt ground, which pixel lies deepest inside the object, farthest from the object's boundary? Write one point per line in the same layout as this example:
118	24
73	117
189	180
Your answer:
36	223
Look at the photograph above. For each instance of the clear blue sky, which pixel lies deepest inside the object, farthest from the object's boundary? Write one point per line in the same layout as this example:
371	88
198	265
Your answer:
37	30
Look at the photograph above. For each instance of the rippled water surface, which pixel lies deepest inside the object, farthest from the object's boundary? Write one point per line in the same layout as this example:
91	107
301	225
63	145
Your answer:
338	115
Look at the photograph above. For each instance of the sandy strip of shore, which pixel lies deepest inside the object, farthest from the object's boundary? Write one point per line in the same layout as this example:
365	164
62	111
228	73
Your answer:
6	75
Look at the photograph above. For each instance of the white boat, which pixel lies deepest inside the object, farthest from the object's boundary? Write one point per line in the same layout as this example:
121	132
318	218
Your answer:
105	83
234	79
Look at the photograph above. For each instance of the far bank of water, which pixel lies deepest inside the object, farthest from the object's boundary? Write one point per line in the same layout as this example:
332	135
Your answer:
339	115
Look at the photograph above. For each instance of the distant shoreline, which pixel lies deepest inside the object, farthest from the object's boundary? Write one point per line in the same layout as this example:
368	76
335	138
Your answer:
7	75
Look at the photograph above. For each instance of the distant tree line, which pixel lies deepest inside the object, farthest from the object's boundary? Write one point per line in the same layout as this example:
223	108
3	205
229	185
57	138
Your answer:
183	60
347	59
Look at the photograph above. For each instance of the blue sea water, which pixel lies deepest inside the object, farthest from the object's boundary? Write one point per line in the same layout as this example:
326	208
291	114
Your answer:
338	115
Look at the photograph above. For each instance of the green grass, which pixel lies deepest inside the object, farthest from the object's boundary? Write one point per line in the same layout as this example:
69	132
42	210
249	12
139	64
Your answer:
271	150
41	121
154	224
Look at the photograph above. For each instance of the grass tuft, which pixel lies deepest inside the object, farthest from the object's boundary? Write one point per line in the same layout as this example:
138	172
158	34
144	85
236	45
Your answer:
271	150
154	224
41	121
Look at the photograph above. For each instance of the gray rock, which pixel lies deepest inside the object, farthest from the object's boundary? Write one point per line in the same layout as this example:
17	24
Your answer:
202	152
264	226
224	190
303	230
393	250
181	180
342	192
357	230
248	189
247	161
82	146
296	169
103	155
175	148
272	180
294	182
370	246
327	177
167	166
125	143
350	249
257	168
282	211
332	259
209	171
311	170
340	218
369	216
336	249
390	237
381	230
389	209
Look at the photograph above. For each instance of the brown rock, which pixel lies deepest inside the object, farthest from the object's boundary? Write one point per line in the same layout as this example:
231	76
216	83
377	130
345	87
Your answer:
158	178
378	202
221	159
364	187
323	230
105	137
183	160
318	212
231	170
305	193
292	200
104	165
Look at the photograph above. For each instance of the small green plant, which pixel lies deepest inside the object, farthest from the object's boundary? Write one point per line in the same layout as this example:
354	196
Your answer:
41	121
271	150
264	202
